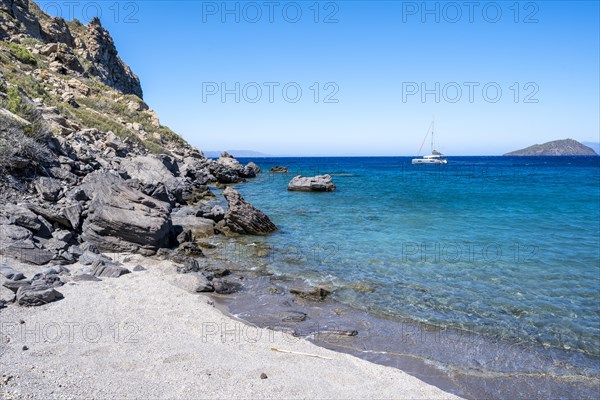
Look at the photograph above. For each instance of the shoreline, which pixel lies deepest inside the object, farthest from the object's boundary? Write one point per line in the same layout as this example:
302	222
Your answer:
466	363
113	338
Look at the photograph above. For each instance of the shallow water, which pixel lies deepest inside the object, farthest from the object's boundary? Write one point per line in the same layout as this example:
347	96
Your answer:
506	248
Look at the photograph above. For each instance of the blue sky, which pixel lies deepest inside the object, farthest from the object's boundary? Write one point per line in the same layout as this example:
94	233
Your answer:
371	63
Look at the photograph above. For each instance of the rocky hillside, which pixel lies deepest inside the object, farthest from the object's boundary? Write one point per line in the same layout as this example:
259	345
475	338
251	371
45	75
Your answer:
566	147
85	165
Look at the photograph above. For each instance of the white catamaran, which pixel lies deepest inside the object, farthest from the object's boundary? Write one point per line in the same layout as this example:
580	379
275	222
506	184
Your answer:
436	157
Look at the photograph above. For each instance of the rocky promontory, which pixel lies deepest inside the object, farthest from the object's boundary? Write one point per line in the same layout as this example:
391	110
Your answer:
565	147
88	170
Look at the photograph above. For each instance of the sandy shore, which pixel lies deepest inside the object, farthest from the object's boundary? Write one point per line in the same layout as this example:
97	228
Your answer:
141	336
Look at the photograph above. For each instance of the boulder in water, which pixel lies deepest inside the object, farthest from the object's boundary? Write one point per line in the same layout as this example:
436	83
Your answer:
320	183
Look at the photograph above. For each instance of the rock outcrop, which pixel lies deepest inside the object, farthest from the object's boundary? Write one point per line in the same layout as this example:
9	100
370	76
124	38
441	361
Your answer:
106	63
320	183
92	42
242	217
86	167
122	219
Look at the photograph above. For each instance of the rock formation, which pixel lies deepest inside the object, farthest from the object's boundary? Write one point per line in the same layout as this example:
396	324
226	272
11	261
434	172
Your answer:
86	167
320	183
242	217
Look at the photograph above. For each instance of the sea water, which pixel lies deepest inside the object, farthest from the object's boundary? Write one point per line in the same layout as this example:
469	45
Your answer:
507	247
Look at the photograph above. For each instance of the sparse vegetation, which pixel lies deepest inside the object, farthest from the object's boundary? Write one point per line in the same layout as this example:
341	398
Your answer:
15	145
16	103
21	53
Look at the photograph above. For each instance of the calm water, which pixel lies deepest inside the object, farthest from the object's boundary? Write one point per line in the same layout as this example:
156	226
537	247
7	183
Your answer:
504	246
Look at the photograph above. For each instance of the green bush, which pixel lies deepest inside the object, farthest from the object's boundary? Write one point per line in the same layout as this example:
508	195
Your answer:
22	54
19	105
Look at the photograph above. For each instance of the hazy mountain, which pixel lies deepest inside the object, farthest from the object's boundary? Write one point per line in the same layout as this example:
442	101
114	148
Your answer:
593	145
237	153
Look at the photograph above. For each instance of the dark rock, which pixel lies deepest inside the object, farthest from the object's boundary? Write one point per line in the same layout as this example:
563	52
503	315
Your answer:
180	235
63	175
107	65
149	170
13	233
195	169
164	253
73	214
138	268
64	61
37	295
50	212
105	270
15	285
26	251
278	169
200	227
56	30
225	174
318	293
21	216
88	258
190	249
122	219
255	168
263	376
216	213
46	280
203	285
223	286
49	188
217	272
189	265
320	183
293	316
242	217
86	277
92	248
10	273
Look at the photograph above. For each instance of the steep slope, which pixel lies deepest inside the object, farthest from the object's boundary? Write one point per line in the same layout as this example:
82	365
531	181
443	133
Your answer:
83	160
565	147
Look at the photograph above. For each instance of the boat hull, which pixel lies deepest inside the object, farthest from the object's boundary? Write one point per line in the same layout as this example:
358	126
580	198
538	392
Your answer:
429	161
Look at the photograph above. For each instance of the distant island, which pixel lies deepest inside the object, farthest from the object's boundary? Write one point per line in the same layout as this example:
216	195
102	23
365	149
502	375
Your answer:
565	147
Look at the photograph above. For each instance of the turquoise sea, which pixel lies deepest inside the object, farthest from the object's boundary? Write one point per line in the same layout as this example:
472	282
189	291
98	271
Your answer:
507	247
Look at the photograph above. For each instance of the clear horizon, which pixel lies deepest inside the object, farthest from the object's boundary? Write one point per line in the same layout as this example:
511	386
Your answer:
361	78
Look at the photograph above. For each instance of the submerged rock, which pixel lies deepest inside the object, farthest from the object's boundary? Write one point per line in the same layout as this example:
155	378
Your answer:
318	293
320	183
243	217
223	286
278	169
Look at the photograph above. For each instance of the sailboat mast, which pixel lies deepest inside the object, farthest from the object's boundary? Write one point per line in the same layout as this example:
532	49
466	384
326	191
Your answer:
432	130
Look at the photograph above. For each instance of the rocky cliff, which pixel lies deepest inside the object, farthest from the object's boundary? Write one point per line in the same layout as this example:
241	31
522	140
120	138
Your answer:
566	147
85	165
94	50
